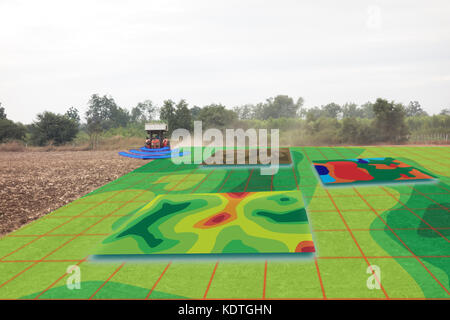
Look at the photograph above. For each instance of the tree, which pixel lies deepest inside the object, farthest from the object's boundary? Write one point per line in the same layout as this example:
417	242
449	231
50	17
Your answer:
259	111
216	116
107	112
73	114
195	111
301	112
11	131
53	128
167	114
351	110
119	117
281	106
183	118
144	111
332	110
314	113
357	130
367	110
390	121
445	112
245	112
349	130
415	110
96	117
2	112
103	114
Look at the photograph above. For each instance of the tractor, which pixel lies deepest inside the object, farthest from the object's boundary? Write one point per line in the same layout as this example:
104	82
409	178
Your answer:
156	136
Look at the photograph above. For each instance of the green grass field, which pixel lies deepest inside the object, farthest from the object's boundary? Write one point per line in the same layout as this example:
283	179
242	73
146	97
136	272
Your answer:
404	229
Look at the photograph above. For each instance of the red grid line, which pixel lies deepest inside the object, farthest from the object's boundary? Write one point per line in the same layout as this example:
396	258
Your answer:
423	265
71	219
49	254
411	211
95	202
168	191
318	149
201	182
283	186
225	181
295	178
418	155
215	179
386	257
319	274
265	281
248	180
337	152
181	180
369	195
368	210
415	256
271	182
423	194
320	278
70	240
442	187
106	281
59	279
211	280
404	205
352	235
357	244
158	280
83	216
259	188
55	235
433	151
43	261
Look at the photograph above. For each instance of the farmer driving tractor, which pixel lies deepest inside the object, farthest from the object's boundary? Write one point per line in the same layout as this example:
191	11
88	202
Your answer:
156	136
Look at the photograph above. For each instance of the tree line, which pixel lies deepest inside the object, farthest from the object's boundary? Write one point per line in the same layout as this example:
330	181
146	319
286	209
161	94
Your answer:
371	122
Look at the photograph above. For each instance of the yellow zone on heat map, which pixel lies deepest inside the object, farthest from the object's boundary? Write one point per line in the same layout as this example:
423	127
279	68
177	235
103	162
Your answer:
218	223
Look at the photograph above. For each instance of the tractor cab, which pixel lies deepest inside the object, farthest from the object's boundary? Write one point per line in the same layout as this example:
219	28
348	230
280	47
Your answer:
156	136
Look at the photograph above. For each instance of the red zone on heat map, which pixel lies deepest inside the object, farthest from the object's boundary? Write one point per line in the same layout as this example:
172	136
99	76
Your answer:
350	170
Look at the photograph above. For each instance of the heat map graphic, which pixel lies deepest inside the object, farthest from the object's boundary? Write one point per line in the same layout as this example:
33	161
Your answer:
221	223
367	171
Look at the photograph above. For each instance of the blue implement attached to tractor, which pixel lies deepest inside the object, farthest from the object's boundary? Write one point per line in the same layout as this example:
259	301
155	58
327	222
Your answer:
157	146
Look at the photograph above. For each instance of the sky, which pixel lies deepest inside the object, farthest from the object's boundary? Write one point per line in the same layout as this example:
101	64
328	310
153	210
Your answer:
54	54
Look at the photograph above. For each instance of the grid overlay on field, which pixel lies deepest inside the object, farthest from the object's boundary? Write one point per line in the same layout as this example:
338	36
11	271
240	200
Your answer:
364	207
347	217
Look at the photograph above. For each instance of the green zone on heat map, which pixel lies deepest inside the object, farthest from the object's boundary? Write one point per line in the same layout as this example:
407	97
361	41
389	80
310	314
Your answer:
221	223
167	209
